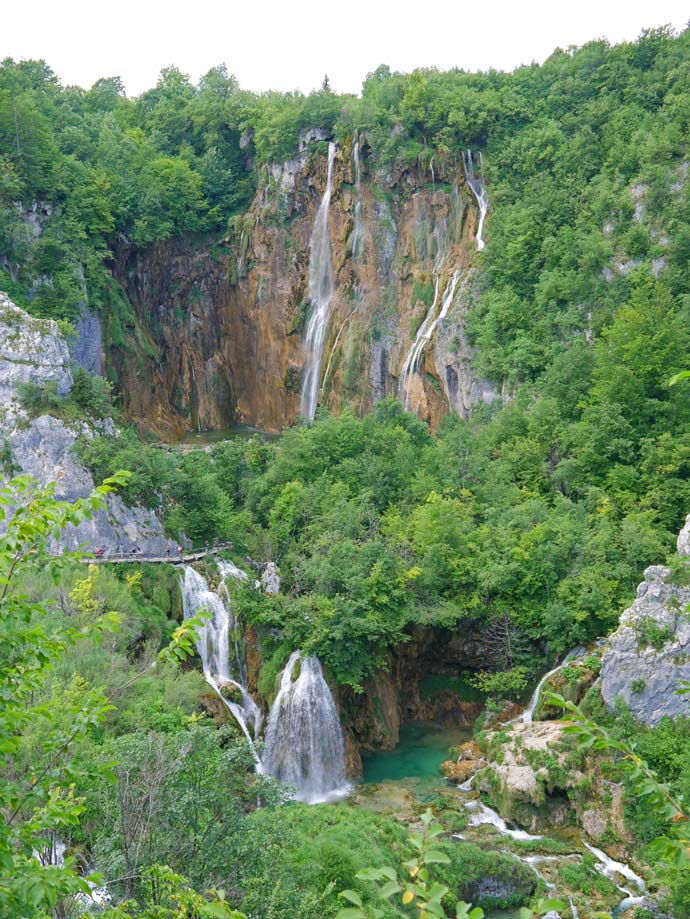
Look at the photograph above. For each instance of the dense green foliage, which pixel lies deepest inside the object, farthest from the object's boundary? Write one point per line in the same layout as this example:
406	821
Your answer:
377	526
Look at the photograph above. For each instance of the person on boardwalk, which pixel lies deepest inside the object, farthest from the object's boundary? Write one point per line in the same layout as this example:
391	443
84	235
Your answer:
167	549
179	551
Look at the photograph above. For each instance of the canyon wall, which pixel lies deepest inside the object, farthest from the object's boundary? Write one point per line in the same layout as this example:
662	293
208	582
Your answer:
214	333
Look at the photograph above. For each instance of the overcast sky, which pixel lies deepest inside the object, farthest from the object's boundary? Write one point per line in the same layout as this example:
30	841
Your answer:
292	44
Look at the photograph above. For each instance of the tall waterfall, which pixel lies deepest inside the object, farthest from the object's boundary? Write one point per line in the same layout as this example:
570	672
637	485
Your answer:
320	296
478	189
425	332
357	236
304	740
214	645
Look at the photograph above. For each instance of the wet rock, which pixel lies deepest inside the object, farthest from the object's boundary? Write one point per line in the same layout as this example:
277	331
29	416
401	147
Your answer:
226	327
594	824
86	349
572	682
231	692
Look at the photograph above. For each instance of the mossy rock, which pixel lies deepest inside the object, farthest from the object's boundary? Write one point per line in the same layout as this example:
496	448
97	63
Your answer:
572	682
232	693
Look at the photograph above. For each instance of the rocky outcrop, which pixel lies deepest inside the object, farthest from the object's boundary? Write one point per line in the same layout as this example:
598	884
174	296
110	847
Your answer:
649	653
469	760
419	683
33	351
529	774
86	347
536	776
218	328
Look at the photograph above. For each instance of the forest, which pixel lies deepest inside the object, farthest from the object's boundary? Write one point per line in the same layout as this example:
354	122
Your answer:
530	522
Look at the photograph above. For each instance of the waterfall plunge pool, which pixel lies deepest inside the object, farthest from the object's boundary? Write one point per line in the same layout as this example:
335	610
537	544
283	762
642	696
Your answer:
423	746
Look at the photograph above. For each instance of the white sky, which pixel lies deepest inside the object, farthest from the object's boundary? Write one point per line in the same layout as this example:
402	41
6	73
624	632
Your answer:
292	44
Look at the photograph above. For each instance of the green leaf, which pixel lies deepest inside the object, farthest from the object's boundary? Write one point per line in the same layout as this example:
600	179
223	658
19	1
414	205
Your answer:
435	856
388	889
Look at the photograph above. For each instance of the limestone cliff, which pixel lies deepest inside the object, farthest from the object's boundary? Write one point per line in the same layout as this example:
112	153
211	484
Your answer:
649	653
34	351
216	333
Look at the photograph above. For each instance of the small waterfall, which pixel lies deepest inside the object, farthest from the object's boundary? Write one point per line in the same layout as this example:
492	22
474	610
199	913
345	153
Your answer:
195	397
433	177
304	740
54	855
478	189
528	715
425	332
357	237
481	814
214	644
320	296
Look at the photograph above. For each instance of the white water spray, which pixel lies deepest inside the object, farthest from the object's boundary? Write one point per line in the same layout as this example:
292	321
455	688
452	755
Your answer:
425	333
528	715
320	296
357	237
214	645
480	814
478	189
304	740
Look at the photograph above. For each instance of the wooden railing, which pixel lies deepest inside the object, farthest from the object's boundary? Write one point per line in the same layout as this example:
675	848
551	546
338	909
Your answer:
174	558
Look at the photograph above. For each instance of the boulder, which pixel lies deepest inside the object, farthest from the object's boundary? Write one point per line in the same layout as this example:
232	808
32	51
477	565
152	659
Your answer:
270	579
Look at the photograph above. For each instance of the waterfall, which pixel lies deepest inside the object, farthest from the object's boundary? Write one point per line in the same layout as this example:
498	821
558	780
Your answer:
478	189
304	740
357	237
320	296
527	716
425	332
214	644
433	177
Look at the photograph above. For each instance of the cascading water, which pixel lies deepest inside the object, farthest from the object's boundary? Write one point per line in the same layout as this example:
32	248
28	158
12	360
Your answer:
480	814
357	237
425	332
214	645
528	715
320	296
478	189
304	740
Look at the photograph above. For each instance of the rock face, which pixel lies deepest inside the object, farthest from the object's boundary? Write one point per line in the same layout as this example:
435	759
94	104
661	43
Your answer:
87	348
33	351
537	777
218	330
270	579
529	779
649	653
401	693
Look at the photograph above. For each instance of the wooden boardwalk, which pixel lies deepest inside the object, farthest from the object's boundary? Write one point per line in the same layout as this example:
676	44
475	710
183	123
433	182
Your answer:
175	558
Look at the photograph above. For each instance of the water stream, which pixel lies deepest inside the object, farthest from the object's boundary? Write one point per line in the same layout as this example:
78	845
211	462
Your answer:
425	333
304	739
320	296
214	645
478	189
357	237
